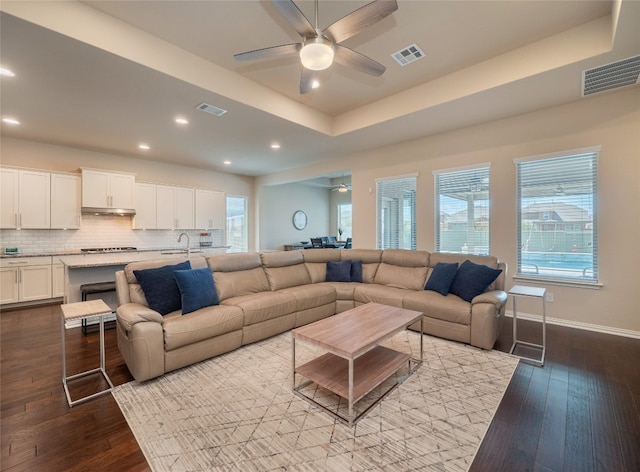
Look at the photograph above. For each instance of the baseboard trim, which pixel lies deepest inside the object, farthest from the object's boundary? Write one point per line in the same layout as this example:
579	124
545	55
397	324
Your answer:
627	333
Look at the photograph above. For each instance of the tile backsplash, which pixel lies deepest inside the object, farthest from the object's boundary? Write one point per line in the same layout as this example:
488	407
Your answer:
99	231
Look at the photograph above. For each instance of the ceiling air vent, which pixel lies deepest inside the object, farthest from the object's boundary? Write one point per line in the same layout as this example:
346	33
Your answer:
408	55
212	110
619	74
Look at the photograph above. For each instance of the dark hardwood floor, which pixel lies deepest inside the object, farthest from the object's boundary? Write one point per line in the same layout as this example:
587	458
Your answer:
578	413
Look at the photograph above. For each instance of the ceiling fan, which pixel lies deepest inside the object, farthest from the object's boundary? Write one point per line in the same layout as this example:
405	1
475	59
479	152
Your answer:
319	48
342	188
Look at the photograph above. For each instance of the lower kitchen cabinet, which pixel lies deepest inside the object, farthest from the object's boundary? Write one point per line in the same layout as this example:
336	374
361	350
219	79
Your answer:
24	279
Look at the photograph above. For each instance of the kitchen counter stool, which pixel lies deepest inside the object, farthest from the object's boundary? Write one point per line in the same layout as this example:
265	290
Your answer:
70	311
94	288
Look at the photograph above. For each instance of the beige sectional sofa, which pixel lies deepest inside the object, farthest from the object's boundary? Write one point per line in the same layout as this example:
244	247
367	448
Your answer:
261	295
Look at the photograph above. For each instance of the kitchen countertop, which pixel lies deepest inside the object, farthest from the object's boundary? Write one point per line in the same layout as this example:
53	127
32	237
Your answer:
77	252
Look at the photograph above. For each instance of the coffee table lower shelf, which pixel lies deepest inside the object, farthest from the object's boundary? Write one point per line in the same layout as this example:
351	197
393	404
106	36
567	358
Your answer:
370	370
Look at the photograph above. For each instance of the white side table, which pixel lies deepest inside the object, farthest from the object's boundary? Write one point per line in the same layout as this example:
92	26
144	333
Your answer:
533	292
81	310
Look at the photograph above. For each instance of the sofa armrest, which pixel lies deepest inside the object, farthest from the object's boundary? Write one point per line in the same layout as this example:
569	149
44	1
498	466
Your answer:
495	297
132	313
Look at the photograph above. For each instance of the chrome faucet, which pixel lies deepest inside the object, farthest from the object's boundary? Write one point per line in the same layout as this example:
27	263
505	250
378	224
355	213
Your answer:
188	244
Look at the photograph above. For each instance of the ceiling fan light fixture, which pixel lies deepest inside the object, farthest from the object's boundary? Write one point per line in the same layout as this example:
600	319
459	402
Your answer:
317	54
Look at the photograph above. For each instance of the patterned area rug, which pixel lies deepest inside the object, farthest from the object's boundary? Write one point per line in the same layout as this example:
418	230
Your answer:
237	412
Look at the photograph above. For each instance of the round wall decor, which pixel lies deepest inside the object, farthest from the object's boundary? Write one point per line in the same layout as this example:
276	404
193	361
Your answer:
299	219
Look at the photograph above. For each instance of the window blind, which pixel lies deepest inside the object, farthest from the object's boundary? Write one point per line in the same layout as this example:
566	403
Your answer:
396	213
557	225
462	211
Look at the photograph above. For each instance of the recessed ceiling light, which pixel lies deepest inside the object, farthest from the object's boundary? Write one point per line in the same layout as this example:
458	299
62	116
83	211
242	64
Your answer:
275	146
227	163
182	121
10	121
315	84
144	146
6	72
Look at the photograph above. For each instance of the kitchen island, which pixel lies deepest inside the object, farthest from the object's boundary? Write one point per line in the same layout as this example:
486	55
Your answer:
82	269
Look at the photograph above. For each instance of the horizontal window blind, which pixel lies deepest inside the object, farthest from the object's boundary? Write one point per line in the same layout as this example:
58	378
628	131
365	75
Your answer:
462	211
557	232
396	213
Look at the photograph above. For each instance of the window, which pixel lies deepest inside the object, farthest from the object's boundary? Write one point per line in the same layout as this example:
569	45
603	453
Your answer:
396	213
462	210
344	221
557	193
237	224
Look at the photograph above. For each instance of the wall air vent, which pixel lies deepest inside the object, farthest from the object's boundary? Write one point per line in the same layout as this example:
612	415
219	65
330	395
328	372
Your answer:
612	76
408	55
212	110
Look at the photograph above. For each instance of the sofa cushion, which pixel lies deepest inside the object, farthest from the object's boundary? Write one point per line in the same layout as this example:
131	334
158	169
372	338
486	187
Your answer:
197	289
285	269
472	279
316	262
201	324
450	308
367	293
412	278
264	306
370	261
311	295
238	274
356	271
339	271
441	277
160	287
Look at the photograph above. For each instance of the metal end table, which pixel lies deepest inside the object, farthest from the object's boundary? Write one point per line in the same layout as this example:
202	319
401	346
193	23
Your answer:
532	292
83	310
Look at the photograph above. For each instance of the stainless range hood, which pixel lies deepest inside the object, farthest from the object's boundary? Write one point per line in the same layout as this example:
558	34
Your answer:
108	211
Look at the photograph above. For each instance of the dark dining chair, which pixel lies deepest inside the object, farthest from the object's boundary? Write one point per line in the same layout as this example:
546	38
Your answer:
348	244
329	242
316	243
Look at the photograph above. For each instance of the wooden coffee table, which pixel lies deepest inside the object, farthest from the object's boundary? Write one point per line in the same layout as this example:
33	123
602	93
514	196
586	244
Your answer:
355	363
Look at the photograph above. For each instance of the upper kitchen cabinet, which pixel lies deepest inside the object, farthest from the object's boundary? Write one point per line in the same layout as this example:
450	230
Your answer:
25	199
145	205
65	201
210	209
174	207
107	189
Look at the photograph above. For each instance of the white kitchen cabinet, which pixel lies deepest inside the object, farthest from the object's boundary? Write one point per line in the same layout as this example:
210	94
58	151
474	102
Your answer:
65	201
26	199
107	189
24	279
174	207
210	209
57	279
145	205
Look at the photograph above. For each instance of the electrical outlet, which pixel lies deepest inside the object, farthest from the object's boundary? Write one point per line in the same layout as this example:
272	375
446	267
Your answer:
550	297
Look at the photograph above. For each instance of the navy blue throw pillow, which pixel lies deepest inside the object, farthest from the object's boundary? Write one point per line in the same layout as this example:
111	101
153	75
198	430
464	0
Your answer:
160	287
472	279
338	271
356	271
442	277
197	288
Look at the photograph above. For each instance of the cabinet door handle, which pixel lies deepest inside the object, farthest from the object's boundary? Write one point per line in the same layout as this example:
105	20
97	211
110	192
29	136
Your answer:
15	219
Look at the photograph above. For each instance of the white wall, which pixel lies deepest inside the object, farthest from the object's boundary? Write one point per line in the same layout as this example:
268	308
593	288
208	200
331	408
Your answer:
610	120
277	205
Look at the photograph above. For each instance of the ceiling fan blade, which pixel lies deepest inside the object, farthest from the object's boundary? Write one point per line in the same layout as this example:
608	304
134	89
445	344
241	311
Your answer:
295	17
350	58
359	19
268	53
306	80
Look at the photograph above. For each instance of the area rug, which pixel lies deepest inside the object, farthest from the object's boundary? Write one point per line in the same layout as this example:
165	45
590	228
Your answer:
237	412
